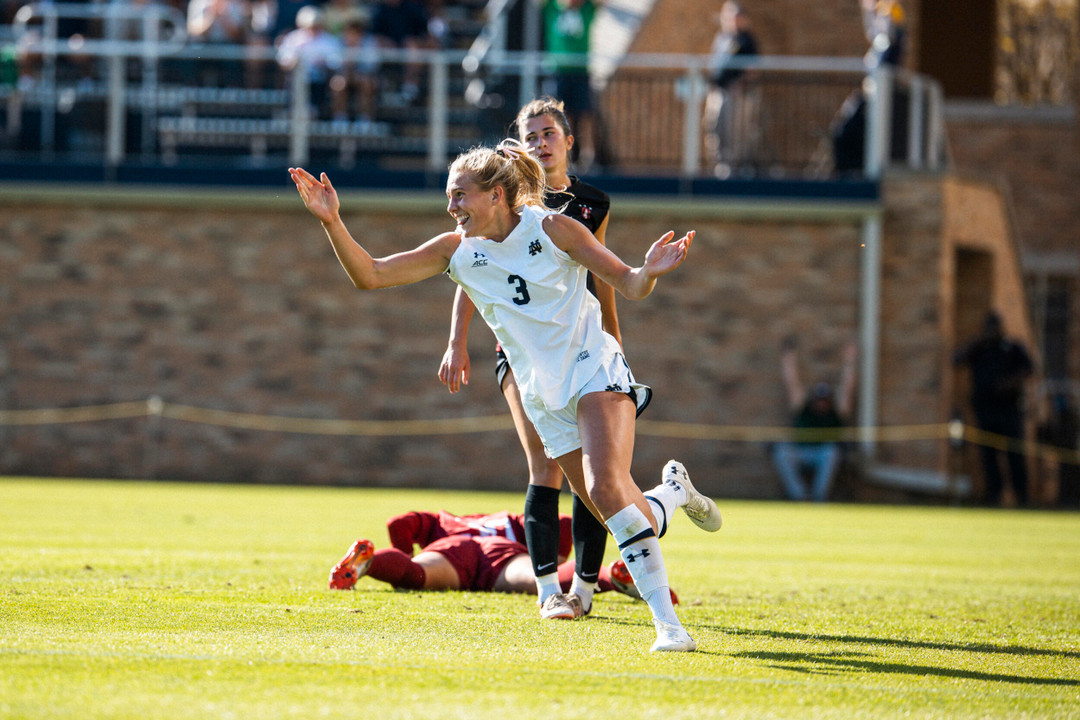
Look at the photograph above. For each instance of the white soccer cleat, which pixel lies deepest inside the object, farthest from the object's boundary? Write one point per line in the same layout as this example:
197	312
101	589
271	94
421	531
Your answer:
672	638
701	510
556	607
577	605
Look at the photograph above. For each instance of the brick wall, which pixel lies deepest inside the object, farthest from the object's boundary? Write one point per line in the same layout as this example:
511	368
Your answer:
238	304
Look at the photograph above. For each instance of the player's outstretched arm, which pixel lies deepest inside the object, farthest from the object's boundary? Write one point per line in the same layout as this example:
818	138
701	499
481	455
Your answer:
665	255
366	272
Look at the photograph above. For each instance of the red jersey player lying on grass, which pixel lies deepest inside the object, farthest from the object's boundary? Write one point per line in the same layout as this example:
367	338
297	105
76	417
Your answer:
464	552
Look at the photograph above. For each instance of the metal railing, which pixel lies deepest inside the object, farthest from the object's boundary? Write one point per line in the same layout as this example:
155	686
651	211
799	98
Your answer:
129	105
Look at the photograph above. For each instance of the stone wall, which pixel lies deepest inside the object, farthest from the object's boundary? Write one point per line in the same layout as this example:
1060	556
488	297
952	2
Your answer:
237	304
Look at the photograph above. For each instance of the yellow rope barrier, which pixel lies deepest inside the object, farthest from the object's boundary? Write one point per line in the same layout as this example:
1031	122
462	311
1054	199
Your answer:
317	426
735	433
89	413
155	407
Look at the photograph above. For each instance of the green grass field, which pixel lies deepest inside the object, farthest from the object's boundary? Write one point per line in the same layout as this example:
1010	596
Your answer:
158	600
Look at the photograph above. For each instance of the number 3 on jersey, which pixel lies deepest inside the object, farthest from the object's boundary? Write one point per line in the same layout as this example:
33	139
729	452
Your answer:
522	297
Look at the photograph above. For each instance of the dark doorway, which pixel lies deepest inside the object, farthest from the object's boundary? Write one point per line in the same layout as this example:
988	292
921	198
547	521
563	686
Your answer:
957	45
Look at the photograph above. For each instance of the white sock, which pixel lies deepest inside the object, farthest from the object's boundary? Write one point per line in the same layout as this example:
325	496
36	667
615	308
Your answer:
584	590
640	550
663	500
547	585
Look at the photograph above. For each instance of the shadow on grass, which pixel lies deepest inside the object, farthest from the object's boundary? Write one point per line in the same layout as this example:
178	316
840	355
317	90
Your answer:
834	663
892	642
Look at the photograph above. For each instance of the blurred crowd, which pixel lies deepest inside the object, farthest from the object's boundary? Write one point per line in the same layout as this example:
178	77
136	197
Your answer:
337	42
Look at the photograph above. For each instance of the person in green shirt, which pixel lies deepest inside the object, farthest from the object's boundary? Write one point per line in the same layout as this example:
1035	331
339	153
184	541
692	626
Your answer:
567	30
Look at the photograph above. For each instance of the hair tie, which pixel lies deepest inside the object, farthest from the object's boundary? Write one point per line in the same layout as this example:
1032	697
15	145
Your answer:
508	152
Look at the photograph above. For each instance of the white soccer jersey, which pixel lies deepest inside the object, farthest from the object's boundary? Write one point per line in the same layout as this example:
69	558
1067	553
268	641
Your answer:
533	297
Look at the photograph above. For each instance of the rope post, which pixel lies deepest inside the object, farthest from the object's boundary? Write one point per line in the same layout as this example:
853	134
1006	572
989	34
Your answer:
155	408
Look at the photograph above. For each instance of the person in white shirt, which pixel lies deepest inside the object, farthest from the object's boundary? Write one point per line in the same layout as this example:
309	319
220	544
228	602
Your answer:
524	267
321	53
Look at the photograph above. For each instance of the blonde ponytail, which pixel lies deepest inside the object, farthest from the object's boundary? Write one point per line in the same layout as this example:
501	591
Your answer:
509	165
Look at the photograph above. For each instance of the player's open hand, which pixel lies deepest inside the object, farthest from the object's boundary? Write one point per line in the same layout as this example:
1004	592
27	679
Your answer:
666	254
319	195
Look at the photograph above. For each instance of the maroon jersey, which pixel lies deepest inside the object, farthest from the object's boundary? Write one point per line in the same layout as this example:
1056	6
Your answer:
423	528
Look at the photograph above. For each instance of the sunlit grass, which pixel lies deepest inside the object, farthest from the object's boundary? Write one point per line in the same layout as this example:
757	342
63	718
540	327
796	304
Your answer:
159	600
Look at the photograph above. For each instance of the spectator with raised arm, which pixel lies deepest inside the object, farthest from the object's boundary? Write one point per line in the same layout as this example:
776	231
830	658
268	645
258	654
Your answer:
816	411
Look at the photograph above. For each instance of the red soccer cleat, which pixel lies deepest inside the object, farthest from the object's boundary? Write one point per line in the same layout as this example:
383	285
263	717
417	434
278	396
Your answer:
353	566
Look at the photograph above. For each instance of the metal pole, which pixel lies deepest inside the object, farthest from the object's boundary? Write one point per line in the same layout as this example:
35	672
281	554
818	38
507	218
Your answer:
695	91
438	87
935	127
116	114
878	122
48	80
869	331
299	144
116	124
530	72
151	38
916	116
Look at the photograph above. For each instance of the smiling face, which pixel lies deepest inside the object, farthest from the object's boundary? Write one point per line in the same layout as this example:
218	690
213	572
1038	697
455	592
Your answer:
472	208
548	142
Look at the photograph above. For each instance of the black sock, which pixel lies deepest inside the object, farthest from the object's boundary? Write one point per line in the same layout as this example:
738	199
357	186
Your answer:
590	540
542	528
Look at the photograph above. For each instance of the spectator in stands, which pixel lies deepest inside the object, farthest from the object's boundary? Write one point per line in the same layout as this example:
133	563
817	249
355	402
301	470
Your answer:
731	105
354	89
567	34
262	20
999	368
320	53
403	24
817	409
884	23
222	23
340	13
438	25
285	12
71	66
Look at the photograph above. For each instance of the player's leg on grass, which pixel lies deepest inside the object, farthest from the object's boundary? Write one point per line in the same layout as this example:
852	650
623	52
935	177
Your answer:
542	521
590	542
428	570
517	577
600	470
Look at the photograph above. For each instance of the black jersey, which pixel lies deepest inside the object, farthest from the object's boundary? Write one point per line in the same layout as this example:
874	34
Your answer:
587	204
581	201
